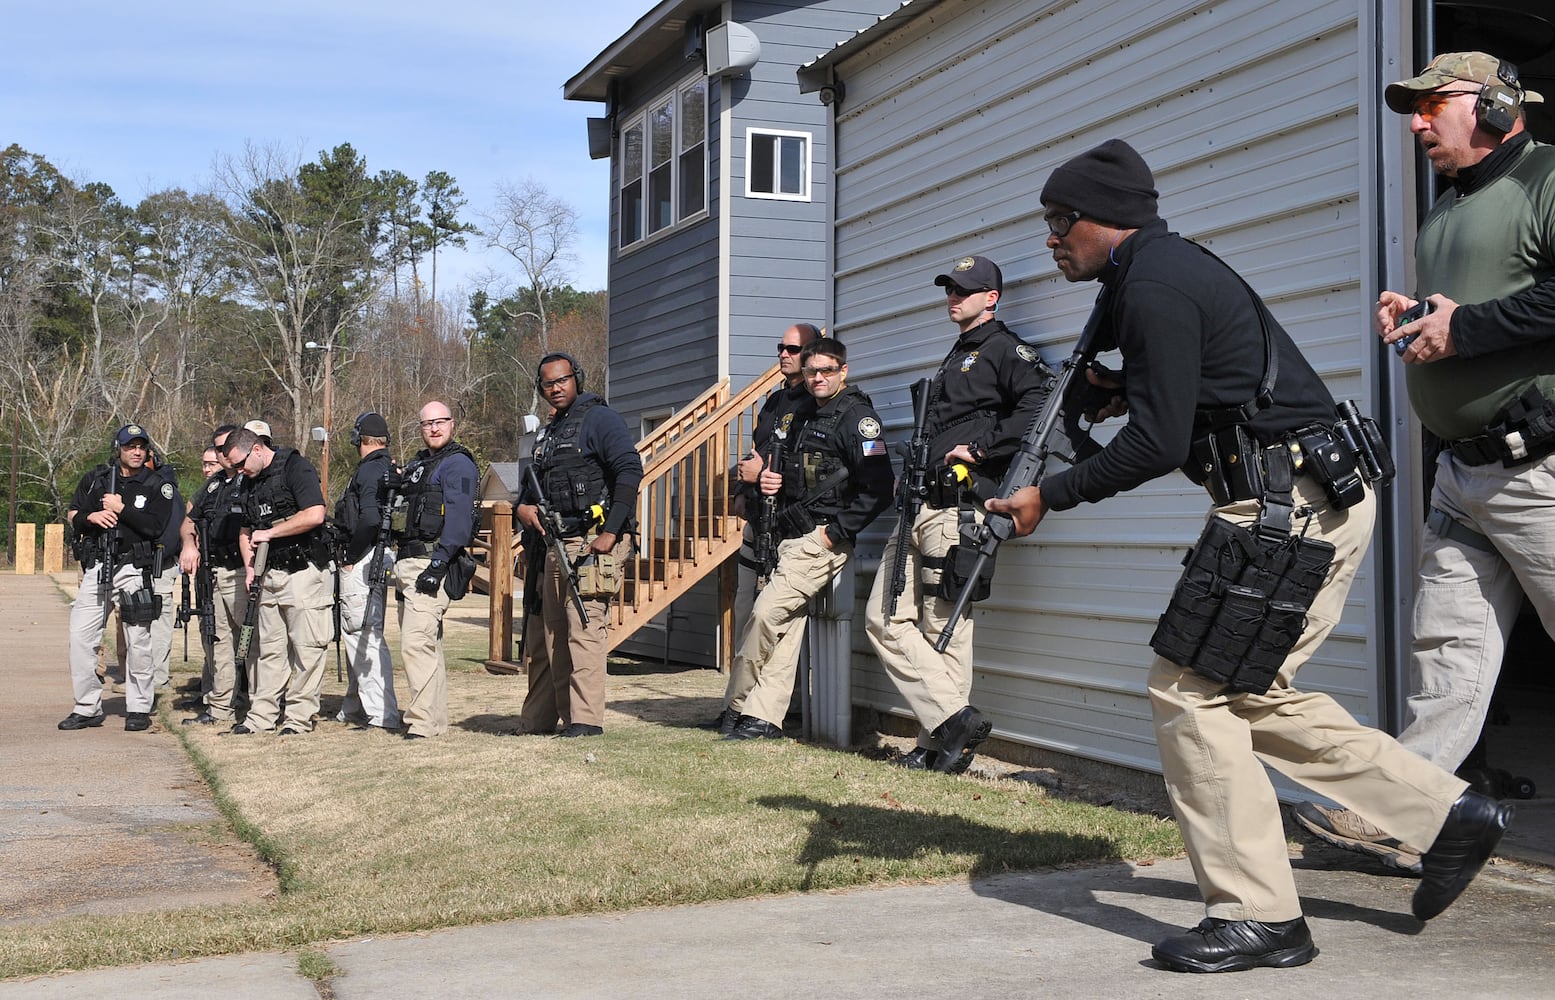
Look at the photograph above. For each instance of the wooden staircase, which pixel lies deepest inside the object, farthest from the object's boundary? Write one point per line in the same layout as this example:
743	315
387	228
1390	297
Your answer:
686	529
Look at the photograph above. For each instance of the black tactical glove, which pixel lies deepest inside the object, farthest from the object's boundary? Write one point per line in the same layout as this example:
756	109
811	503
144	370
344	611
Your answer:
393	481
432	577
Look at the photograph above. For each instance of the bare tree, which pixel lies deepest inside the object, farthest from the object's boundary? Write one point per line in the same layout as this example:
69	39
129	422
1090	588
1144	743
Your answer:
538	230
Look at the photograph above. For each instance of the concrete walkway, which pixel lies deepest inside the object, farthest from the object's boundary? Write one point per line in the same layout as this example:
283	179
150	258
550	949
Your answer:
1072	934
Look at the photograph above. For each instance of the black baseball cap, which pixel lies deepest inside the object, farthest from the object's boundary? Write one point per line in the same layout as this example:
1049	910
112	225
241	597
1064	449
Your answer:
975	274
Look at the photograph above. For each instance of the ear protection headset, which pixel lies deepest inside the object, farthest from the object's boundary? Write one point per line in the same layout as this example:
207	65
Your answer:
1499	103
577	369
356	430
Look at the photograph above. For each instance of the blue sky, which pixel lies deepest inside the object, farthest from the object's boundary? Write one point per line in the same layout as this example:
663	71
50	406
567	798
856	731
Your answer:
146	96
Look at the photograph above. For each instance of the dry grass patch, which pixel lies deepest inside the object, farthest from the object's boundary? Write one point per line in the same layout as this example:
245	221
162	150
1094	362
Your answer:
375	835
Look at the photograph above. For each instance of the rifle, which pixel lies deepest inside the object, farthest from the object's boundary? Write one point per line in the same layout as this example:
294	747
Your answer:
909	492
1055	431
251	611
767	534
107	545
376	612
205	589
185	611
338	554
533	569
551	534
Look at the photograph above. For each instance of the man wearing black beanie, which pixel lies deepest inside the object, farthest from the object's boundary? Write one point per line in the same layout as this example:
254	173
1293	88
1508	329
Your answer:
1215	387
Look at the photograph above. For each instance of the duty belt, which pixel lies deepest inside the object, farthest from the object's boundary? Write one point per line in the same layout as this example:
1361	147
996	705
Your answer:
1485	449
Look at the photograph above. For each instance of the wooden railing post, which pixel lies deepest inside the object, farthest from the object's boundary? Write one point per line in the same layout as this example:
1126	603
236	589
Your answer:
499	574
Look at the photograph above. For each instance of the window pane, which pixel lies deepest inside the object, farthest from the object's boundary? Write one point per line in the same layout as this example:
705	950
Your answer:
763	150
693	186
659	205
632	154
693	115
792	165
663	134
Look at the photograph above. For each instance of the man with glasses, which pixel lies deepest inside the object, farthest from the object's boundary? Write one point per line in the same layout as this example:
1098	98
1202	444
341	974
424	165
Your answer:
773	424
834	481
1215	387
1480	369
587	464
433	523
285	513
986	393
120	511
211	532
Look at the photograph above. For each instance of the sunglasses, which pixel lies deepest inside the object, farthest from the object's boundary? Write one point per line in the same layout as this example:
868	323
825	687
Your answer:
789	348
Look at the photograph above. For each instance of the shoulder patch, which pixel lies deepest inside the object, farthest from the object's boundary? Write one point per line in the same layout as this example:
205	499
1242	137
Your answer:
212	486
1028	353
167	491
869	428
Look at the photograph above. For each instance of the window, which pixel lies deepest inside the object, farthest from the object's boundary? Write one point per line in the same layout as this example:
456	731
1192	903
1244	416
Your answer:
664	162
777	164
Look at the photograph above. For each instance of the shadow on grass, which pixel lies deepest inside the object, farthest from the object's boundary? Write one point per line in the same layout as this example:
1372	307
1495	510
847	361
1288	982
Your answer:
853	830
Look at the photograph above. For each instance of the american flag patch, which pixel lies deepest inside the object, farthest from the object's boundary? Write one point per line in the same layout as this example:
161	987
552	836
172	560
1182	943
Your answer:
875	447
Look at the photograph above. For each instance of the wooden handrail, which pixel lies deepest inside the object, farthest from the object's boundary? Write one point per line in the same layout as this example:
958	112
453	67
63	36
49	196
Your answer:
686	529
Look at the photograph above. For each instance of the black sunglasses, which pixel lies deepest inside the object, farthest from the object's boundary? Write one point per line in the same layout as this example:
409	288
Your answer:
789	348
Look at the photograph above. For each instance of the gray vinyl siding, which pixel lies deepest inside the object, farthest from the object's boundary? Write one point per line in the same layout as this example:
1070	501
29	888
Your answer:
664	292
1250	115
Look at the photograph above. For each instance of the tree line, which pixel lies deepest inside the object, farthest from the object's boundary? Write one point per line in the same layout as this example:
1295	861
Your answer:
192	309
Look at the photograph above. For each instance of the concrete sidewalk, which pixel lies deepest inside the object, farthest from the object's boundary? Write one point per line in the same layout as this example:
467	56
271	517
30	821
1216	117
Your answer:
1076	934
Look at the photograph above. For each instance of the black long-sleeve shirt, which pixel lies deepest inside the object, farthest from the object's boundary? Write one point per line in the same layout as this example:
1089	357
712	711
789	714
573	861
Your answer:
1189	331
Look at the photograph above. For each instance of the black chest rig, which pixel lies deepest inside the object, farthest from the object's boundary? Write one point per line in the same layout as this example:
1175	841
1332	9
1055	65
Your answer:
221	508
419	506
270	502
369	476
815	468
573	482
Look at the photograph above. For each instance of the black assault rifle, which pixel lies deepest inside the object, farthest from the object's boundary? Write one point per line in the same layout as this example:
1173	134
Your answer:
767	537
251	611
205	588
185	611
910	489
1056	431
551	534
107	548
376	612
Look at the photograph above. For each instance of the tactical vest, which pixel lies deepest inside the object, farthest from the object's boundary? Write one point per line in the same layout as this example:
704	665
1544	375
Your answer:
819	454
423	497
222	508
269	503
369	476
573	482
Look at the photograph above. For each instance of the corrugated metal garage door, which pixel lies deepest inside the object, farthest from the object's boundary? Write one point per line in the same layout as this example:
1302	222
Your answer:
1247	111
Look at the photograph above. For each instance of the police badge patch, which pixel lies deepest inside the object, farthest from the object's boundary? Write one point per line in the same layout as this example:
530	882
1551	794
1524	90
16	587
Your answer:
140	502
968	361
167	491
869	428
1028	353
415	477
212	487
964	264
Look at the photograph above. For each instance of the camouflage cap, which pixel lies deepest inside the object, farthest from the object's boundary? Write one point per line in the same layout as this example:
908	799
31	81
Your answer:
1478	68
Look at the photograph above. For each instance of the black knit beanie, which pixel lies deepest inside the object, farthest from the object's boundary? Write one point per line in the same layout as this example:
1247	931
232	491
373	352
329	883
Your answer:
1110	184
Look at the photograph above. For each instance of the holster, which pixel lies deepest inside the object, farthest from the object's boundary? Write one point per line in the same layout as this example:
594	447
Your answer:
456	582
1241	604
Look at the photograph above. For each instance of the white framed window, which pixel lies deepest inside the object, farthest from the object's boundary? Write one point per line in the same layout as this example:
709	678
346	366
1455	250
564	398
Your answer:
777	164
663	156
